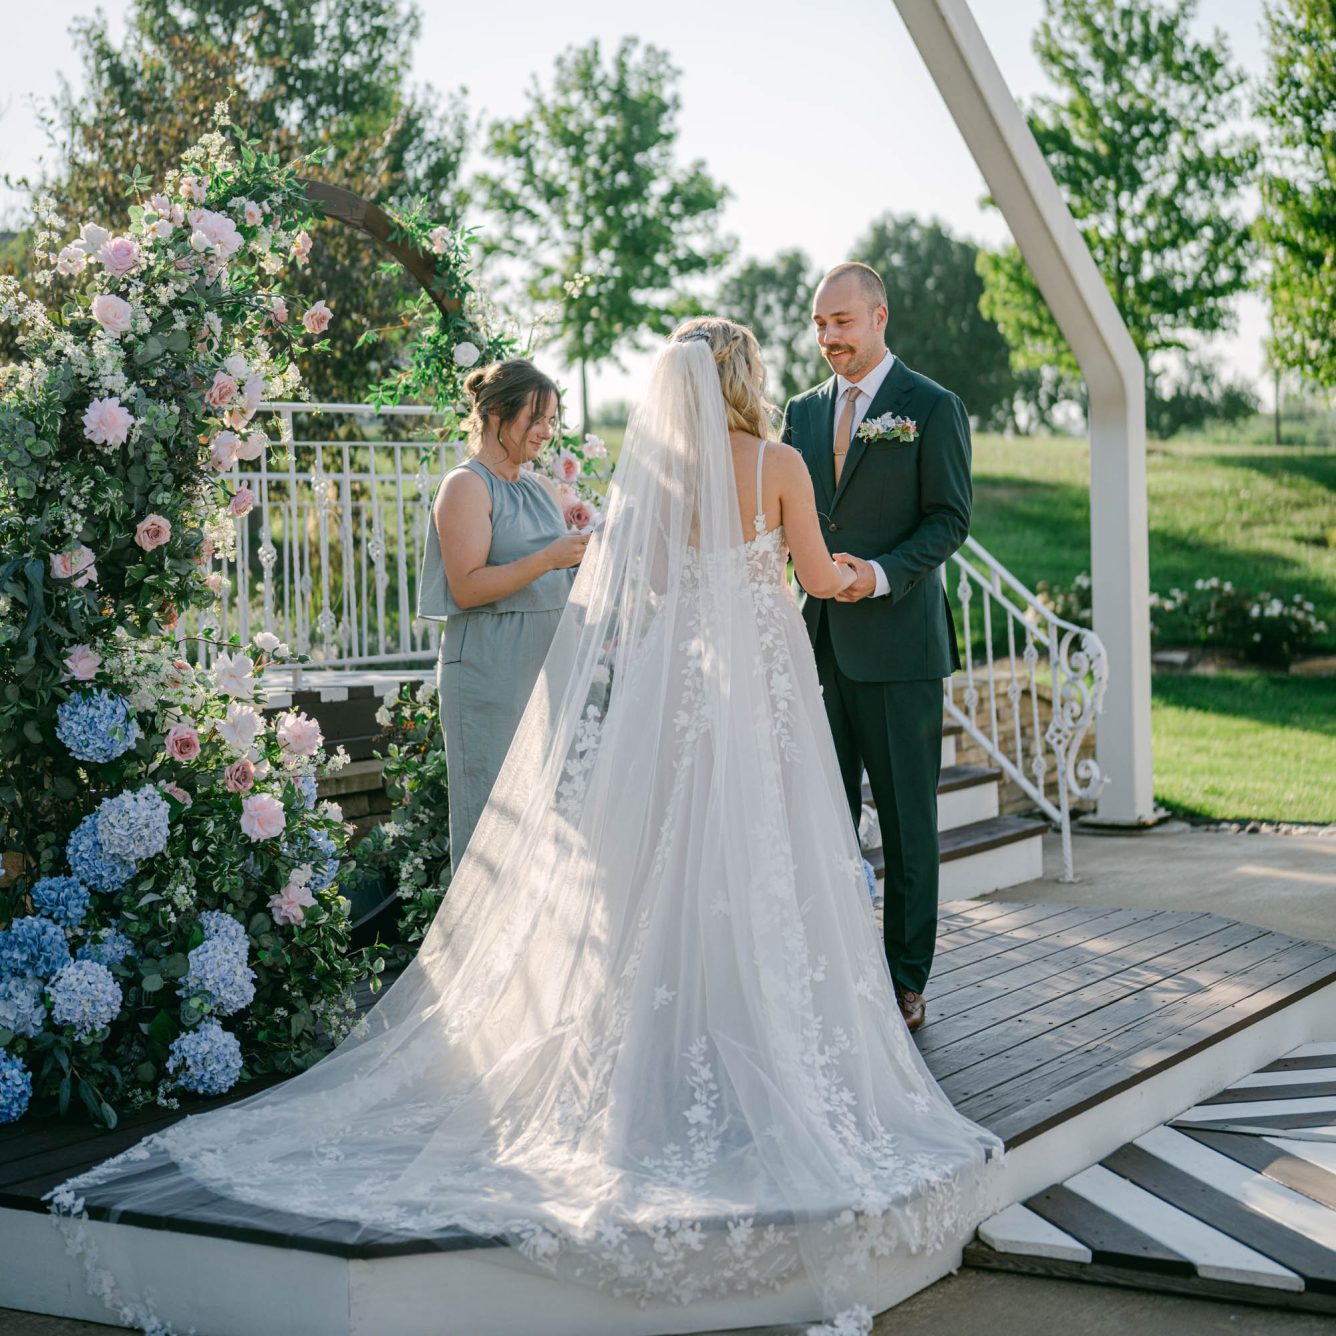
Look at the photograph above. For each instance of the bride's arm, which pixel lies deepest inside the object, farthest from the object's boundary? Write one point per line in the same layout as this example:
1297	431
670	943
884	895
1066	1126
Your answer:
817	573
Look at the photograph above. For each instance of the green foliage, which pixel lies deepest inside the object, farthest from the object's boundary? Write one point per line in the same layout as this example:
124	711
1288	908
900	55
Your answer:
1297	223
1140	141
1196	397
607	228
1211	615
774	299
300	74
933	290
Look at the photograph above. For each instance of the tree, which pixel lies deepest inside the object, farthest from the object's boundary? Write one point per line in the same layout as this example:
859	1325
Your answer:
1139	139
933	290
608	228
774	298
1297	225
301	75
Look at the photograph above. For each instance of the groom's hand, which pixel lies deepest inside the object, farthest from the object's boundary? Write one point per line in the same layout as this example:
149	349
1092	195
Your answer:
865	579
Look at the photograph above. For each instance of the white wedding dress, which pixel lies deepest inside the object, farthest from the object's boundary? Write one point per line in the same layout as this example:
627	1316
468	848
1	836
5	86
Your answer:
651	1040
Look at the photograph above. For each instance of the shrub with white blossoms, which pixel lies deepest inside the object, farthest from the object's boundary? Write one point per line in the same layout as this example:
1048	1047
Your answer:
1214	615
173	924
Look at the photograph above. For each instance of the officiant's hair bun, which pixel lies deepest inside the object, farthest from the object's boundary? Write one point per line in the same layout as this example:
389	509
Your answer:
737	355
511	389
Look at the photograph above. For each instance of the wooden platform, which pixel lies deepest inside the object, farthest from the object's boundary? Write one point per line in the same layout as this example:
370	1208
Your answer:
1068	1030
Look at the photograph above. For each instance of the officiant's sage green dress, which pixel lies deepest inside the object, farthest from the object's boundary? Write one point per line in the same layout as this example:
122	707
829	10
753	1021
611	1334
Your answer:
490	655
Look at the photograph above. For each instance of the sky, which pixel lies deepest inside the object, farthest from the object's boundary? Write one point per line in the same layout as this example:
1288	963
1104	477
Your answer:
776	94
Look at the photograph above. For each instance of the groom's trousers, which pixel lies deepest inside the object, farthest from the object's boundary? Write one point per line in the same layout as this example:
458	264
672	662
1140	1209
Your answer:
894	729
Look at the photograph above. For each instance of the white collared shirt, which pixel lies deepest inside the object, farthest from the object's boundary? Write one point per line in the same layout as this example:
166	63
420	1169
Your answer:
868	387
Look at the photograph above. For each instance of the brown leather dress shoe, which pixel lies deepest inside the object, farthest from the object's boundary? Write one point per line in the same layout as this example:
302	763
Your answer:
912	1007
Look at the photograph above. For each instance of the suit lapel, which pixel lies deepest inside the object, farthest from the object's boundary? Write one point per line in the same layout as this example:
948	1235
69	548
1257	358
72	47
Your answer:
822	458
890	398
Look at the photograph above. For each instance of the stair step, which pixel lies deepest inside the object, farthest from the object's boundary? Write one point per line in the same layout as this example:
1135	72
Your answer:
976	838
954	778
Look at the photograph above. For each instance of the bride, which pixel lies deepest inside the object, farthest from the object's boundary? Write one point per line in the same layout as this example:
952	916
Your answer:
650	1041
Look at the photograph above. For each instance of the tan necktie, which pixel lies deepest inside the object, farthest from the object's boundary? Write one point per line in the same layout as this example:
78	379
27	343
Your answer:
844	429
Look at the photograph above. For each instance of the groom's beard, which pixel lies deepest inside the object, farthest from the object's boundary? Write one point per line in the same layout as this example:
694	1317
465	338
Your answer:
851	368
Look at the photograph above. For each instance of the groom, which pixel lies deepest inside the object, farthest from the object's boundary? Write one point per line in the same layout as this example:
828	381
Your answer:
889	454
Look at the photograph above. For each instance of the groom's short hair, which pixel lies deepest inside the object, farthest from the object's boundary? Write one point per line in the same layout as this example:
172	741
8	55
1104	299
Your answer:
869	281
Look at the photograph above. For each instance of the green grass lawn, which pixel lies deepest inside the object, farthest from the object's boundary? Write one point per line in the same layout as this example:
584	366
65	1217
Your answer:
1261	516
1245	746
1236	745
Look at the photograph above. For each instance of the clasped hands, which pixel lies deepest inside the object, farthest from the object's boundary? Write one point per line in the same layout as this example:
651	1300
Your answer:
864	581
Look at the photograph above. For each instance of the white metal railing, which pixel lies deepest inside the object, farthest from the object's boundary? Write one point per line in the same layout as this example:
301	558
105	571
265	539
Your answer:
329	558
1011	643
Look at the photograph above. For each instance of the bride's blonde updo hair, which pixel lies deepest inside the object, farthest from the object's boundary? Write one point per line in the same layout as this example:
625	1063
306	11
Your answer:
737	356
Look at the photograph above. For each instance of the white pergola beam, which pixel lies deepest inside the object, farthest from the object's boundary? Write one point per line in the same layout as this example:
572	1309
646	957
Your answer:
1000	141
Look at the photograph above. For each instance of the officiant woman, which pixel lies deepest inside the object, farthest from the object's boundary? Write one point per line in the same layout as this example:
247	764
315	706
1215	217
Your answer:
498	566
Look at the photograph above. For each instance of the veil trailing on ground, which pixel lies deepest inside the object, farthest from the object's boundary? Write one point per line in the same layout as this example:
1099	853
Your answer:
650	1040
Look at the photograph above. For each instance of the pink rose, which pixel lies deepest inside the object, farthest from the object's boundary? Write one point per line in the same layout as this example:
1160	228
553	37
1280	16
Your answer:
278	309
160	204
105	422
566	466
177	792
301	247
82	663
214	580
223	452
221	391
299	734
439	238
119	255
579	516
290	908
243	500
317	318
217	231
112	313
153	531
569	496
182	742
262	817
239	776
251	212
76	564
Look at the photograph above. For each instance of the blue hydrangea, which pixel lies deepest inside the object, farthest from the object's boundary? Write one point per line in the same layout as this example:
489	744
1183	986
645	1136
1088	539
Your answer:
225	928
21	1009
108	947
15	1088
134	824
218	967
85	995
97	725
91	863
317	848
306	783
61	898
208	1058
33	946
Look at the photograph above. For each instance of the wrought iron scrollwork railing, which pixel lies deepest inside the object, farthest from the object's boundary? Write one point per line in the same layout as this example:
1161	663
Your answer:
1014	646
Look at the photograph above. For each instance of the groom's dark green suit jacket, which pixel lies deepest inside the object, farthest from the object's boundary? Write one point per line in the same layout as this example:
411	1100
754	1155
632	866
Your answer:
904	505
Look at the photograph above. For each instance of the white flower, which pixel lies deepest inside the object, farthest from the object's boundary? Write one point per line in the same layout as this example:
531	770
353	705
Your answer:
91	237
234	674
439	237
239	729
267	641
466	354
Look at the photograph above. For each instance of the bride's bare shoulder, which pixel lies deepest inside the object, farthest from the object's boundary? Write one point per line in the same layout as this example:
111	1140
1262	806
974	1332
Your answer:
784	457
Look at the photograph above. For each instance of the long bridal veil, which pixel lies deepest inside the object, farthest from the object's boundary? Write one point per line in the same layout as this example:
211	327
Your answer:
650	1040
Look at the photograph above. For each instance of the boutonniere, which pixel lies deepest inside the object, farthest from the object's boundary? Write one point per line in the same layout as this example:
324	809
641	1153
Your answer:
888	427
